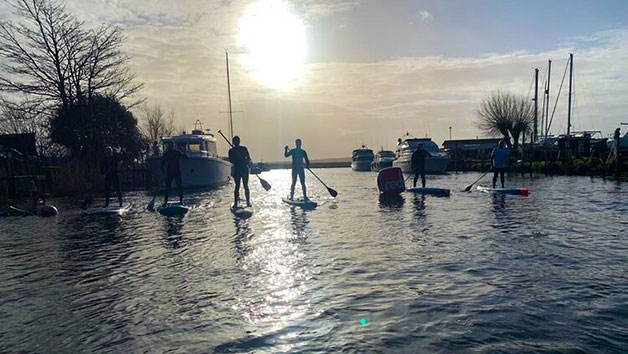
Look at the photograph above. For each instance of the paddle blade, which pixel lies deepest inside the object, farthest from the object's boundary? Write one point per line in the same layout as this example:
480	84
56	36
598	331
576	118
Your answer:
151	205
265	184
468	189
332	192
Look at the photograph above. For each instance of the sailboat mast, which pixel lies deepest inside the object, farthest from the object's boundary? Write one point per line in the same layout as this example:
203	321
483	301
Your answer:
229	94
547	94
535	136
569	97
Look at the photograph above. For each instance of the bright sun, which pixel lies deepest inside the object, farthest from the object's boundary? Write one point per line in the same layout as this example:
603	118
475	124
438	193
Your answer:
274	42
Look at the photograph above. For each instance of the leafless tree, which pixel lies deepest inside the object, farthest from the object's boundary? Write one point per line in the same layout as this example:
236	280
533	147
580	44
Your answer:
53	58
505	114
156	123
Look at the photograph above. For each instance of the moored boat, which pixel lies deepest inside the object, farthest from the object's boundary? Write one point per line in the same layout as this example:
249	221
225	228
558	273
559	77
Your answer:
435	164
383	159
361	159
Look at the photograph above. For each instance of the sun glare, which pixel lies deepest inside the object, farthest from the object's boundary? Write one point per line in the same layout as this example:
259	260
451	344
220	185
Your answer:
274	42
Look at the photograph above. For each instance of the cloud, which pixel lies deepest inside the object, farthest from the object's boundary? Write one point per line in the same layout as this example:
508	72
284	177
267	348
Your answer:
424	15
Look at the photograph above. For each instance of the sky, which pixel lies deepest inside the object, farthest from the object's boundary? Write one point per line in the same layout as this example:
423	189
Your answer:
342	73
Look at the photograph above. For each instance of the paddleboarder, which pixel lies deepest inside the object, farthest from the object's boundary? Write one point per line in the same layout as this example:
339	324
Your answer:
109	168
418	163
498	158
298	169
241	160
171	158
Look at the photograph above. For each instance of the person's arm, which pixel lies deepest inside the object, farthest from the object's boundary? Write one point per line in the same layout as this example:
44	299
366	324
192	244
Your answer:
307	160
287	152
247	156
183	154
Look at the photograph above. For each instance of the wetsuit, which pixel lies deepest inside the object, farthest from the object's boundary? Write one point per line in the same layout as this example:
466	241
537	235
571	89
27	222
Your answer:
418	165
171	158
109	167
499	156
298	169
240	158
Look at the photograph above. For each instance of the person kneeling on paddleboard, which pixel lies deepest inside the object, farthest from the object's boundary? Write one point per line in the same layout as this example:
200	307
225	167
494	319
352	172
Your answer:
418	164
498	157
171	158
240	158
298	156
109	168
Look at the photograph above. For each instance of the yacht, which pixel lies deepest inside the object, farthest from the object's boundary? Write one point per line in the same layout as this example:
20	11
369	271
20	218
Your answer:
362	158
383	159
204	168
435	164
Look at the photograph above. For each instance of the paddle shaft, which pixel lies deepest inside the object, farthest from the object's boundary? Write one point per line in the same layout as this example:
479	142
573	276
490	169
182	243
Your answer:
482	176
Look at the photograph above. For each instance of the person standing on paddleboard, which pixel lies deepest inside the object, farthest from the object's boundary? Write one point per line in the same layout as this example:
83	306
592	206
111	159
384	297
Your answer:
418	164
241	160
498	158
171	159
298	169
109	168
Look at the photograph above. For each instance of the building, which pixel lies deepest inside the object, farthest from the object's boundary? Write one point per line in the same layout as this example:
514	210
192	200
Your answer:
463	150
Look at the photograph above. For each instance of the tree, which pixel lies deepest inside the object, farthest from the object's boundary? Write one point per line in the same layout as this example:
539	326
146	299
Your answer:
156	123
86	128
52	57
507	115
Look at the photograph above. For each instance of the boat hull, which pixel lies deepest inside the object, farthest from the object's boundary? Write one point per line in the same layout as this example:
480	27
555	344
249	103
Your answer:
379	165
433	165
196	172
363	165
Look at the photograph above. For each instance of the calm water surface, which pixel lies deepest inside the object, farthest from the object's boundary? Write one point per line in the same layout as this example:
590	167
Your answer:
470	273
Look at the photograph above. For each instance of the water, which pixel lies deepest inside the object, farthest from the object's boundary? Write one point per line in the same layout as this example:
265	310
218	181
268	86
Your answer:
470	273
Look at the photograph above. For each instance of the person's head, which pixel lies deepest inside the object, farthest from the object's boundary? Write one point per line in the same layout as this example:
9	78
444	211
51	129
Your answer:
236	140
298	143
170	145
420	146
108	151
502	143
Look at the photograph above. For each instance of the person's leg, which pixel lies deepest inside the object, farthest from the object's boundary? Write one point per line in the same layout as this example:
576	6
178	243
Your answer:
294	182
116	184
423	178
169	177
245	184
236	191
416	178
107	187
177	178
495	177
501	175
303	187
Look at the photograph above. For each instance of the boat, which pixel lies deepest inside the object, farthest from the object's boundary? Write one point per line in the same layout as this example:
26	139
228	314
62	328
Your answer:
204	168
361	159
383	159
436	164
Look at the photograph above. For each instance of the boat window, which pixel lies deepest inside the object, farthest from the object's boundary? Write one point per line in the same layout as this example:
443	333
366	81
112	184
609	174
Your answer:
194	146
211	148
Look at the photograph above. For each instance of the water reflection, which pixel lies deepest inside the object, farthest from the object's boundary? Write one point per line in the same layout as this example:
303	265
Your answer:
391	202
299	221
419	206
173	237
243	234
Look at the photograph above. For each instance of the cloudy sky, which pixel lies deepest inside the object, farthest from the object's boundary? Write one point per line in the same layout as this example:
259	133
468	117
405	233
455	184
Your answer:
341	73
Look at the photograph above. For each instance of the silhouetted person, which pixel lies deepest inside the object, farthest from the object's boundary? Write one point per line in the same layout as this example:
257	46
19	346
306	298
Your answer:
298	169
171	159
418	164
240	158
498	158
109	168
156	150
616	137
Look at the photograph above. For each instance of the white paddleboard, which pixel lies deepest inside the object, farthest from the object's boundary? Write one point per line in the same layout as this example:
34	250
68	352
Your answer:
110	210
507	190
304	204
242	212
440	192
173	209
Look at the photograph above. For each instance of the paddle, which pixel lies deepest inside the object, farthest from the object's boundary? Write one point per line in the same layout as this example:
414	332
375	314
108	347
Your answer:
264	183
151	204
331	191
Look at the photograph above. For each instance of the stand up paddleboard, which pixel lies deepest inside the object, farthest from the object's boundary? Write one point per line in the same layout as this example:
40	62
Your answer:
242	212
173	209
110	210
507	190
439	192
304	204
